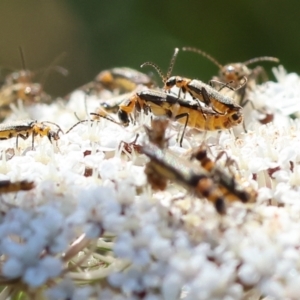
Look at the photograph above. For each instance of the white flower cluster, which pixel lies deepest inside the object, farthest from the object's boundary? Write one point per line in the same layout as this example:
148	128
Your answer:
92	228
282	96
30	239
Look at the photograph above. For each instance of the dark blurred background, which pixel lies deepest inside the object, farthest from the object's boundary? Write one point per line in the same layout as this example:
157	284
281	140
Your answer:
97	35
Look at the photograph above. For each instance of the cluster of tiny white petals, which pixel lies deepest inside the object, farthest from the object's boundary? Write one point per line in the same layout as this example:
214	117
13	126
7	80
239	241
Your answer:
93	228
68	290
282	96
30	241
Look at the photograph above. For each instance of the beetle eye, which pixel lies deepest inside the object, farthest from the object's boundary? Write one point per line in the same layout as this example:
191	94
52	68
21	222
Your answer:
235	117
123	116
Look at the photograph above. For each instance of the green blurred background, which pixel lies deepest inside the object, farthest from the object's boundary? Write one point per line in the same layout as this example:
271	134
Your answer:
97	35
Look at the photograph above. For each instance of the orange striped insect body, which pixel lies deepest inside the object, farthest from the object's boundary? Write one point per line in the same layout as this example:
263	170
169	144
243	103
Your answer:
233	187
204	93
122	79
118	80
188	113
234	73
24	128
6	186
164	165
